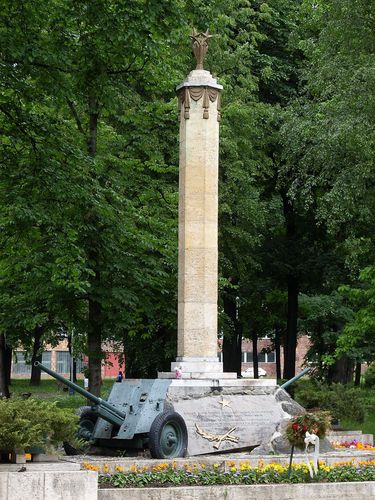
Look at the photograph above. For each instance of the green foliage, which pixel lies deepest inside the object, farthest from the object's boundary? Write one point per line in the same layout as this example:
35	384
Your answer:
341	401
358	339
34	423
369	376
88	169
323	318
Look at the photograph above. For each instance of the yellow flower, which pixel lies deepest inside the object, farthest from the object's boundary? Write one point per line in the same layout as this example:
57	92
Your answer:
118	468
233	469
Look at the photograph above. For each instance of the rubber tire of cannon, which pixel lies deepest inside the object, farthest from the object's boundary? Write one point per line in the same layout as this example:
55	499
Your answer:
168	436
89	416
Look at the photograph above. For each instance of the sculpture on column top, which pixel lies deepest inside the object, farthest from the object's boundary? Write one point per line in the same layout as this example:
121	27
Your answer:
200	46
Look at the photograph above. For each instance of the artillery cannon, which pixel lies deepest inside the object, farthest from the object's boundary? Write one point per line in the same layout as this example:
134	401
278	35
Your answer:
135	416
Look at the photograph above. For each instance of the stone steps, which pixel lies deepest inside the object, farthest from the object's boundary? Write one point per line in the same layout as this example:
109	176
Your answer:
342	436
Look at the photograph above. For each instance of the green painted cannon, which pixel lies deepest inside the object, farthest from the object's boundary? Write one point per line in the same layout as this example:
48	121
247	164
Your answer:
135	416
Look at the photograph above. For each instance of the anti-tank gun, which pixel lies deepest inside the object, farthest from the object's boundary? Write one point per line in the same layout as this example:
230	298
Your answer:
135	416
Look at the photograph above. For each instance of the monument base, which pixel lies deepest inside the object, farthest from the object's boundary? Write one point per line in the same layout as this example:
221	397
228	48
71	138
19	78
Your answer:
231	415
197	368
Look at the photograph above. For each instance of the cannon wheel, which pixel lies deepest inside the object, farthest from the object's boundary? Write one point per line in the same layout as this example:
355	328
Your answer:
87	421
168	437
87	418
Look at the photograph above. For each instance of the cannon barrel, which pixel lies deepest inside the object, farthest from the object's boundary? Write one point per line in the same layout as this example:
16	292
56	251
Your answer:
295	378
105	410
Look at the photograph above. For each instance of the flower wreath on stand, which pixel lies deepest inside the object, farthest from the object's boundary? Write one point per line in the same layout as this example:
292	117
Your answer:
305	430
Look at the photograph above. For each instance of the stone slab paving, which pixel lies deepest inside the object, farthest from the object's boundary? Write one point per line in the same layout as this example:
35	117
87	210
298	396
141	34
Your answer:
61	465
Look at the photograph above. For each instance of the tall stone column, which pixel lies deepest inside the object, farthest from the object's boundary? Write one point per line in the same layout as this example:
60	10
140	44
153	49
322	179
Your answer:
199	104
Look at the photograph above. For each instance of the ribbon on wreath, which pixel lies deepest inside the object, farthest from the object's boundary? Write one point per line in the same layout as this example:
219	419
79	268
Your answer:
312	439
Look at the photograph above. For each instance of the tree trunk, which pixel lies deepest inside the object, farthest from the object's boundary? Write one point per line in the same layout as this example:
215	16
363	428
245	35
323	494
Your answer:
94	341
232	344
254	339
290	345
8	363
37	356
291	330
341	372
4	389
95	347
74	378
357	378
277	353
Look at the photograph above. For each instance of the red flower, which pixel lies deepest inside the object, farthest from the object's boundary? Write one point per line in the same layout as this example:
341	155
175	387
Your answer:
295	426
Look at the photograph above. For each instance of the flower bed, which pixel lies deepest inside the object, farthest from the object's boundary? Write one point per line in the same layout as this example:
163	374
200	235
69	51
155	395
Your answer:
354	444
165	475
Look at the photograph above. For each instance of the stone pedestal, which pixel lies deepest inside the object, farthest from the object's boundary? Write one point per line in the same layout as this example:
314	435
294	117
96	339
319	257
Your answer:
230	415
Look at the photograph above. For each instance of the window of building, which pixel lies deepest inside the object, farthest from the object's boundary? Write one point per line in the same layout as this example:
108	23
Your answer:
271	358
263	357
79	365
62	361
46	359
20	367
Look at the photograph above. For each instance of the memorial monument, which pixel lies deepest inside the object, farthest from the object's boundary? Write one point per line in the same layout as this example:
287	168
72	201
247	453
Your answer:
221	412
195	408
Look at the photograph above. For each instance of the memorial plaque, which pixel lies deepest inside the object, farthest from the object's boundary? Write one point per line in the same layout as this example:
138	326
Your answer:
229	422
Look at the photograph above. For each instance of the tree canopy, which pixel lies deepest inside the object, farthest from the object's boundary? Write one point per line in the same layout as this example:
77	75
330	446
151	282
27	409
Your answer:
89	174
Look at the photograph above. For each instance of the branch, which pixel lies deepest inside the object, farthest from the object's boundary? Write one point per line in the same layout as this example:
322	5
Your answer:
127	69
39	65
24	131
76	117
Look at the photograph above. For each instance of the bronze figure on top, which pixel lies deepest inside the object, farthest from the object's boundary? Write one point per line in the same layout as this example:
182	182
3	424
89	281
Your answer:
200	46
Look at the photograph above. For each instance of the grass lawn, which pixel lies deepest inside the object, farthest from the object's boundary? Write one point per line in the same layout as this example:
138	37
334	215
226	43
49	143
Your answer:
367	427
48	389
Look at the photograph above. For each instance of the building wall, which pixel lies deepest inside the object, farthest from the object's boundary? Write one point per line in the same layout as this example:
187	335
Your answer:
58	360
268	361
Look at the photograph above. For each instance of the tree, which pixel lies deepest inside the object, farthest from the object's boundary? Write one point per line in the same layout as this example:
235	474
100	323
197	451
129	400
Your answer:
75	72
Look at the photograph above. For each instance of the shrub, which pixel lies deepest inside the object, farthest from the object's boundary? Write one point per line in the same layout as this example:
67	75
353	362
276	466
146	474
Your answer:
370	376
34	423
341	401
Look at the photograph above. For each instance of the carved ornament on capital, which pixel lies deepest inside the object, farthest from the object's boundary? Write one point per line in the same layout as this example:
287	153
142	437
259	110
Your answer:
196	93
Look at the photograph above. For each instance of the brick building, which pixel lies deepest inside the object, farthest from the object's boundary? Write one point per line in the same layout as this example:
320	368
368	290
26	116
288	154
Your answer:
58	359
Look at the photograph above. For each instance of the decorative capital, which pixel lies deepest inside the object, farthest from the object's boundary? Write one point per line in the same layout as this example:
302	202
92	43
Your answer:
200	46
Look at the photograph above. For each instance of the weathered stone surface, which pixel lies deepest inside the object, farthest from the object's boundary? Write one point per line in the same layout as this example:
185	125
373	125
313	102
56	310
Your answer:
228	421
71	485
198	222
48	485
280	444
3	485
314	491
22	485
